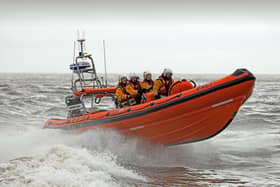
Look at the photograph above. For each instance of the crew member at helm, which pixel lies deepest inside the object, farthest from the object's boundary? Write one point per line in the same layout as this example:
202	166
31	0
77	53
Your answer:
147	84
122	95
133	88
163	83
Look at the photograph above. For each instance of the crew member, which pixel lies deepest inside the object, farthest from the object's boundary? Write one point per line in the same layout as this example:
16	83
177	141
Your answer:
147	84
122	95
163	83
133	88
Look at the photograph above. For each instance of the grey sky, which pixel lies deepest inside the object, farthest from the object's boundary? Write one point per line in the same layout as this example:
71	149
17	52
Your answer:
199	36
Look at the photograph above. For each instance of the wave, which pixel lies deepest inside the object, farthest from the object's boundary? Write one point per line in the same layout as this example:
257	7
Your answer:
55	158
60	165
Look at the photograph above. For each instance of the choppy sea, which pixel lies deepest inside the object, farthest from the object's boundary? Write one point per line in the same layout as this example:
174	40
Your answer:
247	153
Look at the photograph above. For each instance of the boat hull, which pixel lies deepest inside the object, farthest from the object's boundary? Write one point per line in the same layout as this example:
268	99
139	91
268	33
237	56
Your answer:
190	116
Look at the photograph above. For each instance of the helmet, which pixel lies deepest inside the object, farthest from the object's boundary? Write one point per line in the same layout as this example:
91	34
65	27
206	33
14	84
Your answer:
166	71
146	73
133	75
123	77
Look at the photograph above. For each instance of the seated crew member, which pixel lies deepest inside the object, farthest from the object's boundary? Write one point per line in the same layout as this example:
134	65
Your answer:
163	83
121	93
147	84
133	88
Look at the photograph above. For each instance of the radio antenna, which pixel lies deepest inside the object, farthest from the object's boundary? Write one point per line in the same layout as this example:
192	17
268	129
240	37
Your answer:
105	63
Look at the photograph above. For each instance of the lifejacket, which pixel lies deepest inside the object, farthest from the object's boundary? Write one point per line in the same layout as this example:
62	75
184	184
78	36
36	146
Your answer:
122	87
165	86
120	103
135	91
147	85
150	82
135	86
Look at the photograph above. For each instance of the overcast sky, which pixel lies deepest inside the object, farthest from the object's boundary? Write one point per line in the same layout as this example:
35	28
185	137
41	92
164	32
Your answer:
200	36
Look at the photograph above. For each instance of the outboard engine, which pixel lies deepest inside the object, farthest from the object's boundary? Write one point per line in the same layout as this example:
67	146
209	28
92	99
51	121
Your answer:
75	107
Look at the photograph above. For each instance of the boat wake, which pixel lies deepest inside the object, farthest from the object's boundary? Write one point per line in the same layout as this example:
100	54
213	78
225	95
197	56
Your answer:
38	157
60	165
58	159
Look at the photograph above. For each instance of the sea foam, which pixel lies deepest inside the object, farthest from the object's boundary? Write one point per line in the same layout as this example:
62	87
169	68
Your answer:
61	165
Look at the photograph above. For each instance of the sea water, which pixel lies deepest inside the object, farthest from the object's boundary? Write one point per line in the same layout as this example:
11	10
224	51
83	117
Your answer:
247	153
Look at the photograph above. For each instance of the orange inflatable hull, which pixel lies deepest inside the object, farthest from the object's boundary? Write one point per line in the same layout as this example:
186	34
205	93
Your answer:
101	91
189	116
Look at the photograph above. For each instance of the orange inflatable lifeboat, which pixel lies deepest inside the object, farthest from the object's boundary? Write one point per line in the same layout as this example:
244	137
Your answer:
188	115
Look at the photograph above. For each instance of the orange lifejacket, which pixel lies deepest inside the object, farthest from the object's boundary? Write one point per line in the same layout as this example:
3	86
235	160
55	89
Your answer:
136	86
121	92
147	85
122	87
149	82
133	87
123	96
165	86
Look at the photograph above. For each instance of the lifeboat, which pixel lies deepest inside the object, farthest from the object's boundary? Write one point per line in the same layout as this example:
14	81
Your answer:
189	114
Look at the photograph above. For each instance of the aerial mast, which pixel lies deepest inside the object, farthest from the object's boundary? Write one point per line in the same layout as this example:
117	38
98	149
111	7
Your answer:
81	39
83	67
105	63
